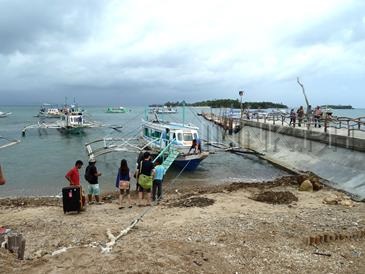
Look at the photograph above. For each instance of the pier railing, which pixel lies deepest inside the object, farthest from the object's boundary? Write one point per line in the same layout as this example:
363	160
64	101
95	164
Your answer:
351	125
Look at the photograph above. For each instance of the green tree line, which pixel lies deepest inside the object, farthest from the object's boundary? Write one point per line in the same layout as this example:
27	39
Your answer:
227	103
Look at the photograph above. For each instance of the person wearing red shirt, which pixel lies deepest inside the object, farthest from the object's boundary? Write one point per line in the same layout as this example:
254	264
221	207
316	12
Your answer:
73	175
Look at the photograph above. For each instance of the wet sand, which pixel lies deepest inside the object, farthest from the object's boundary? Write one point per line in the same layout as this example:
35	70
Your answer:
231	228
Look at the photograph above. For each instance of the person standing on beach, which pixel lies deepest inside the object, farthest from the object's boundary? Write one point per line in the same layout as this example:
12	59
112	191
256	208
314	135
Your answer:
146	173
73	175
122	183
300	113
157	181
91	175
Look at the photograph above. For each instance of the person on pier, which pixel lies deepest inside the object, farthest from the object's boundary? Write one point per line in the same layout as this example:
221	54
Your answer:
293	117
300	114
317	117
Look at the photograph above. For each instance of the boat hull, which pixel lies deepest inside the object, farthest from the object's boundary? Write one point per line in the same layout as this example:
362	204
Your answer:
72	130
189	162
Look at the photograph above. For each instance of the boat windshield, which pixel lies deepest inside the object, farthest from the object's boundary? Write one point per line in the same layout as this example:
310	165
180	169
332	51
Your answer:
188	137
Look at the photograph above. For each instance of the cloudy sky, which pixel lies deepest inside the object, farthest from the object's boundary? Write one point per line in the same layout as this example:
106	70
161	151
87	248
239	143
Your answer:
138	52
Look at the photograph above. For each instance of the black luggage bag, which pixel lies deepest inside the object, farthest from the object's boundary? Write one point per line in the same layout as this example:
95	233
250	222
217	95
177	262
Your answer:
72	199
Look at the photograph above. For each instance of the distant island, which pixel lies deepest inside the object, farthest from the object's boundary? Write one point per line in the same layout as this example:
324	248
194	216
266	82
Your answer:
338	106
227	103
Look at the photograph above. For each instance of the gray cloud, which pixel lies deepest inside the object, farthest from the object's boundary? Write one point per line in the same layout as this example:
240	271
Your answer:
347	26
107	51
27	26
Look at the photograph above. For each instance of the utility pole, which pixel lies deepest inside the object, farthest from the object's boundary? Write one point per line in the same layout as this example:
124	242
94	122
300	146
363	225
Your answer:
241	94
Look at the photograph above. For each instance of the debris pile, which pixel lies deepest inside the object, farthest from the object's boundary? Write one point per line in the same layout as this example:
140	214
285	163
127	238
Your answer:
276	197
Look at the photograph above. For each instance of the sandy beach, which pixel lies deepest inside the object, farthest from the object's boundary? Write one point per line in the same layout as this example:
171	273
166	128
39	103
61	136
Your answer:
231	228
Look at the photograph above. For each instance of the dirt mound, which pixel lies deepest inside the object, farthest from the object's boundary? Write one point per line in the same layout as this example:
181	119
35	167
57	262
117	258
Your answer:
193	202
276	197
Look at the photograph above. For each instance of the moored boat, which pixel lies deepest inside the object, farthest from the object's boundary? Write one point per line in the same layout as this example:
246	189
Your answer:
49	111
179	136
72	121
4	114
115	110
169	141
163	110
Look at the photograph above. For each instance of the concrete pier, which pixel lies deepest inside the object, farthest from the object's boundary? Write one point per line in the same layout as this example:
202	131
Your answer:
331	133
333	155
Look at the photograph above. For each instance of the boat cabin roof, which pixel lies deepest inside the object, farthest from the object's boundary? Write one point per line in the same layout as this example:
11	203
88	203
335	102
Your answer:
170	125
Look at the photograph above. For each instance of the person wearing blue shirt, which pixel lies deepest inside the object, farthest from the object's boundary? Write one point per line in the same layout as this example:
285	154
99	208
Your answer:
157	181
196	146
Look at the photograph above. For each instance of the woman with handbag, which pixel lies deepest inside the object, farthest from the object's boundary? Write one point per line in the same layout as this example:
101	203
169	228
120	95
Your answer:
122	183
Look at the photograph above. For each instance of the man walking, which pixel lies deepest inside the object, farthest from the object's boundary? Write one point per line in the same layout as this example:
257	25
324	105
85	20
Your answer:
91	175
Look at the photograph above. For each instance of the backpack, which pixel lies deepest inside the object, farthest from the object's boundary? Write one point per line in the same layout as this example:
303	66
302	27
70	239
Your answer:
88	177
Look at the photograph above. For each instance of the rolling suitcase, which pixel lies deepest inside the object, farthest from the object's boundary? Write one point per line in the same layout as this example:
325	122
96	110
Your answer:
72	199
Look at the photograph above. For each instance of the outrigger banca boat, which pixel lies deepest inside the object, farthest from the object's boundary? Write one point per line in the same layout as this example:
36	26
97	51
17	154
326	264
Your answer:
166	140
72	121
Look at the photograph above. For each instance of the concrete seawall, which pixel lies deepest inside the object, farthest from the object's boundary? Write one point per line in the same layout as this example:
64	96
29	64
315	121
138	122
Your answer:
331	139
335	154
316	152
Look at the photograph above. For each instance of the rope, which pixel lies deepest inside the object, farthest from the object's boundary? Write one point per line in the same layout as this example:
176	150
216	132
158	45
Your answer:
113	239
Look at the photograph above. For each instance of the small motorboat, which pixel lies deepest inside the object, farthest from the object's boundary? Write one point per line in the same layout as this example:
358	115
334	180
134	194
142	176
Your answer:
4	114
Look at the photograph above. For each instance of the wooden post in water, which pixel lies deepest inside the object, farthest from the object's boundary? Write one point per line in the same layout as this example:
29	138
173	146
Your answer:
230	126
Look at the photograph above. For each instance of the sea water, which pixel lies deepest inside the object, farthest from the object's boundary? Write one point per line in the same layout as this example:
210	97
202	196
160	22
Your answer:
37	165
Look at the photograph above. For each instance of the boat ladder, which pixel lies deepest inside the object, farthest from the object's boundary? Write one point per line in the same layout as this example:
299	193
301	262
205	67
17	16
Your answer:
171	155
170	159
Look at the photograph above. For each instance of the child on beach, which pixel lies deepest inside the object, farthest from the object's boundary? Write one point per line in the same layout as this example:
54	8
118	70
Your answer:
157	181
122	183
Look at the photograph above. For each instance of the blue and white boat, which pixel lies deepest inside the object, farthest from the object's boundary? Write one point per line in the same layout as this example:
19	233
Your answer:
165	140
173	141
